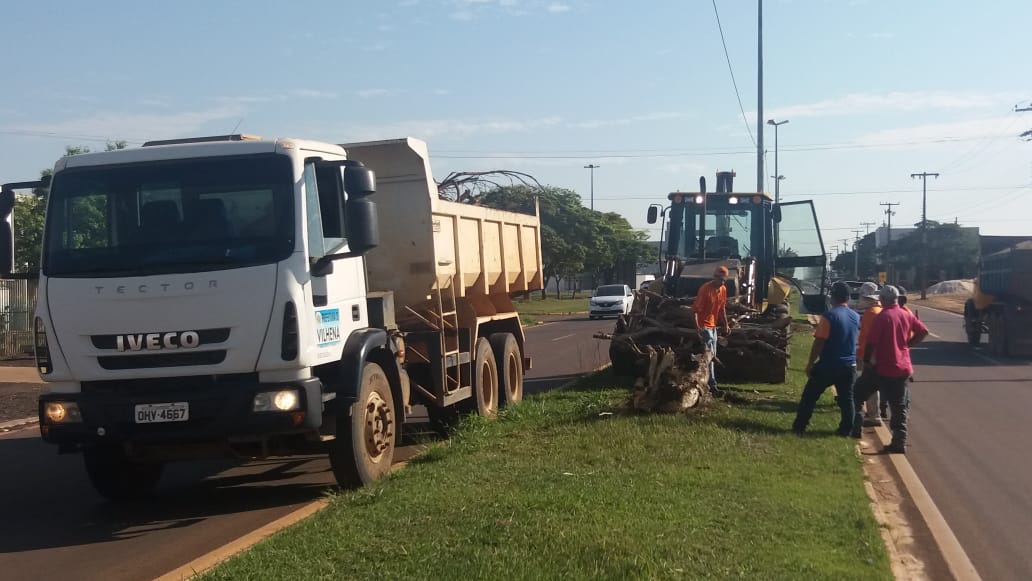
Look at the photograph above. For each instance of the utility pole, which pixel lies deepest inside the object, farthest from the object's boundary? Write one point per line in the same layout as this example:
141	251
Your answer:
924	228
888	243
867	227
592	167
759	96
856	256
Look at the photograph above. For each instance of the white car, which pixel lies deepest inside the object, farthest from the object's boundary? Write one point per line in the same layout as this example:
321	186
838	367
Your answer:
610	300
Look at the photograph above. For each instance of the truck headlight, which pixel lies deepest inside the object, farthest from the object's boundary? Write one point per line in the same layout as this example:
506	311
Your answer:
62	412
282	400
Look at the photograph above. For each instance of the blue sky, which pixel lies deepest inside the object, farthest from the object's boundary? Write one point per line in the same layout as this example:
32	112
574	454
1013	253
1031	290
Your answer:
874	90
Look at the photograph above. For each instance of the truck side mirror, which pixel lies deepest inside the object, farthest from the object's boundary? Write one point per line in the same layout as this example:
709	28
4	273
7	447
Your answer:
6	233
363	226
652	215
358	179
776	214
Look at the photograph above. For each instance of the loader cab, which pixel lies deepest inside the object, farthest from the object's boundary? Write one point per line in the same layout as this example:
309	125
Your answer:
748	231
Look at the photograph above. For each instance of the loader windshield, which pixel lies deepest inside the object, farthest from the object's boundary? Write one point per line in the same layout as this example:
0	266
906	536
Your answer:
172	216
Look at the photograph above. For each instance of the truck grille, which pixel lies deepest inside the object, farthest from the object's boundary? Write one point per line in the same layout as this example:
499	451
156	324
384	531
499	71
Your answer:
150	361
161	386
206	336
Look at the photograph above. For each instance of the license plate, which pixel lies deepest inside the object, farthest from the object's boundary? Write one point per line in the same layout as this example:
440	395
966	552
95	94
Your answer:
154	413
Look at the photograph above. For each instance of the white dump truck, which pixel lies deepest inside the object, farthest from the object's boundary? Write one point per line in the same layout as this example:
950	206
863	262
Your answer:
237	296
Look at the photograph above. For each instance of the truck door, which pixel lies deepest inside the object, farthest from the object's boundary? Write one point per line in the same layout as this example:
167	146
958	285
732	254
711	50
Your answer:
800	252
338	297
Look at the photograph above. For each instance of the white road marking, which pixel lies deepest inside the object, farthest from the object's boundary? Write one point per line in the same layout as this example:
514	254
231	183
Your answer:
564	337
931	334
940	311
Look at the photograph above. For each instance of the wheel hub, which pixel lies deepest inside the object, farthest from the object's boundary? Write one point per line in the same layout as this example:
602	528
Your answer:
379	427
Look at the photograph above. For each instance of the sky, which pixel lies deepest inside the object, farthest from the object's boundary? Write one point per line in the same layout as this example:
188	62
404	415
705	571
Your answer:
874	90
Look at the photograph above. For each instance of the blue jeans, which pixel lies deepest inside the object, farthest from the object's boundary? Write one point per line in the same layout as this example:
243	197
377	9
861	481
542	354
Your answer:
822	376
709	337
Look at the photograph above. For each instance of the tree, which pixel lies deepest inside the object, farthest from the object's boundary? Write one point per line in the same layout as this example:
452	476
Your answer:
952	251
29	213
574	239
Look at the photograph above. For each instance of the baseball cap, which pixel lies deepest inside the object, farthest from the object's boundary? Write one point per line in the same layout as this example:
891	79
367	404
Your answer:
888	294
721	271
869	290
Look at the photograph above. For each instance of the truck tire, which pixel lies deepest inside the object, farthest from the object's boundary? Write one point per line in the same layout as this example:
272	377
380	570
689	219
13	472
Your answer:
485	380
1004	339
363	450
117	477
509	362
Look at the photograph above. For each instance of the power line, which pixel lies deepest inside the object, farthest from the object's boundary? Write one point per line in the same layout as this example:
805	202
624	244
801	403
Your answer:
806	195
54	135
628	154
731	70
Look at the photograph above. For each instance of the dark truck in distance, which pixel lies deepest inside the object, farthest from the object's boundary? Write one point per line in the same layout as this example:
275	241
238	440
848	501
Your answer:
1002	301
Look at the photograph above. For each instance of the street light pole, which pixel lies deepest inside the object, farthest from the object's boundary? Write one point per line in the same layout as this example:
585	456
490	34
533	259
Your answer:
592	167
777	184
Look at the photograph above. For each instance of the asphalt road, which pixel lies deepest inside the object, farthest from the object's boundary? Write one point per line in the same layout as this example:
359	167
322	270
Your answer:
969	439
53	525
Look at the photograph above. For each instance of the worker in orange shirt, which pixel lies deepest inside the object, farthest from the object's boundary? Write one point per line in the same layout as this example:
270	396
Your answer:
710	308
869	306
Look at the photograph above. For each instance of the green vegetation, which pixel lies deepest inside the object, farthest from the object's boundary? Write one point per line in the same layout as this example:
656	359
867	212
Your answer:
559	488
566	306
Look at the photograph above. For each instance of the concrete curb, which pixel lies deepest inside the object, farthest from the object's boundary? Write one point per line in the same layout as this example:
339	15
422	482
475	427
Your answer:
13	425
953	553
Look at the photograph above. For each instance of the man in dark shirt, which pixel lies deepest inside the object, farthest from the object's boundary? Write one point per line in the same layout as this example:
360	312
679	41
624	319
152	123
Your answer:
835	344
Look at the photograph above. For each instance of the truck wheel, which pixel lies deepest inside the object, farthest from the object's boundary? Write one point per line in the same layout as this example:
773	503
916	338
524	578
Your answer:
118	477
510	367
363	450
485	380
1001	324
974	337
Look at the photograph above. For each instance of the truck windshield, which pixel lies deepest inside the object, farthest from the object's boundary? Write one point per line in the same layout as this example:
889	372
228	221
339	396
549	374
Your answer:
172	216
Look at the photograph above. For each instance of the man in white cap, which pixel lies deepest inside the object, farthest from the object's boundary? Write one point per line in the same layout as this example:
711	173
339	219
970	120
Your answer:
887	350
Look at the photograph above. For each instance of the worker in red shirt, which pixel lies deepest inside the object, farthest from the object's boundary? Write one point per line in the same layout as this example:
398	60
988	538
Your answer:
710	308
887	354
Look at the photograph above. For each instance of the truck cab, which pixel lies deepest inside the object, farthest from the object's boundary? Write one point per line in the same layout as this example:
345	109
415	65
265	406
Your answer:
230	296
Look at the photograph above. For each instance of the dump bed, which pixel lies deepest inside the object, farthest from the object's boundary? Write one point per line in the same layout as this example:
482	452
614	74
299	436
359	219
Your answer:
428	243
1007	273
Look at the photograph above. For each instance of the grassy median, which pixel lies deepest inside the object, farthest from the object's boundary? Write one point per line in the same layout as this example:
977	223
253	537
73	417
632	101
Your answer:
567	486
567	305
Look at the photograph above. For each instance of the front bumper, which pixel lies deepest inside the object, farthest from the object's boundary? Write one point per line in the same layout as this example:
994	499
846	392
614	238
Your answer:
597	311
220	409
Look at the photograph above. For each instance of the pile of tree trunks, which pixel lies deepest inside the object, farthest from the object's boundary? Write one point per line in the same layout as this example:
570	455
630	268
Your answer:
659	345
